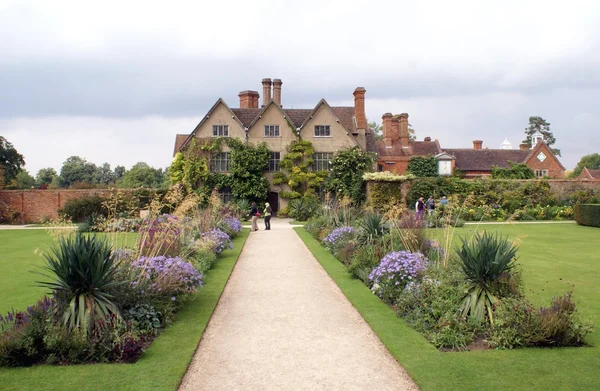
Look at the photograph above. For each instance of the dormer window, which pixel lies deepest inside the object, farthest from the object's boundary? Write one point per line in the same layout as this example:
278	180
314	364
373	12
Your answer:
220	130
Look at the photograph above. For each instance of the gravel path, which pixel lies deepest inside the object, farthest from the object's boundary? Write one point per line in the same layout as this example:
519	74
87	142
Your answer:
283	324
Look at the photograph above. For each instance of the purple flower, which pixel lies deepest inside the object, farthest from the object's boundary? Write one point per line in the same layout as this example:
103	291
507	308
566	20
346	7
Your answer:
169	276
397	269
338	237
220	239
234	224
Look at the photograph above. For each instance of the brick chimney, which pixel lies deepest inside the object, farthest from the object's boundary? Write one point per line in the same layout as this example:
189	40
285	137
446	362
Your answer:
248	99
266	91
523	147
477	144
427	139
359	108
395	129
404	130
386	121
277	91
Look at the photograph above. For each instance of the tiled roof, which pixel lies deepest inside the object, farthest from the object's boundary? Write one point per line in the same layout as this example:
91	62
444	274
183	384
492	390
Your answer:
417	148
179	140
246	116
346	116
371	141
485	159
594	173
298	116
424	148
395	151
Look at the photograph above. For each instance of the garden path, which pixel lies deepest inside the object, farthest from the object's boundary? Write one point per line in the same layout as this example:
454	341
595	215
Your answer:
283	324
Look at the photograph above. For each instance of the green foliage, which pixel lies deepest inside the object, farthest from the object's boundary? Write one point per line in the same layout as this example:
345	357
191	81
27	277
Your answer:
11	161
204	259
298	164
346	180
588	214
382	194
145	317
372	226
82	269
303	208
76	170
516	171
80	209
192	165
538	124
248	162
591	162
23	180
423	166
45	176
142	175
484	260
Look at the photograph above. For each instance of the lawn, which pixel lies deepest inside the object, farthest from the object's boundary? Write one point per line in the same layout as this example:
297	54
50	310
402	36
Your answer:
160	368
554	258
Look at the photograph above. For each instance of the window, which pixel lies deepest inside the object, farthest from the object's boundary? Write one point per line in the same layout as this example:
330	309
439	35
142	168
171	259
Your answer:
322	131
541	173
379	168
271	130
274	161
322	161
225	194
220	162
220	130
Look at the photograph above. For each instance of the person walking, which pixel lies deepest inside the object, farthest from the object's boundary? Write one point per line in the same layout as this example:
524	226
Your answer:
267	212
254	213
430	204
420	208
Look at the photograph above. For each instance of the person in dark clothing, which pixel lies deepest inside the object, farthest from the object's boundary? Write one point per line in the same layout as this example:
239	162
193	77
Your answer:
420	208
430	204
268	212
254	214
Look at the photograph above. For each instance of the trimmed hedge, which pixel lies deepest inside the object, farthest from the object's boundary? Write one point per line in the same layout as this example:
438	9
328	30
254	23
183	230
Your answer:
588	214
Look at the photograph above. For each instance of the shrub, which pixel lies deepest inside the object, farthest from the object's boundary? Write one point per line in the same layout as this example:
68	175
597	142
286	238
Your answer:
303	208
80	209
515	324
219	239
204	259
231	225
560	325
484	260
338	238
395	271
363	260
160	236
372	226
145	318
588	214
82	269
166	276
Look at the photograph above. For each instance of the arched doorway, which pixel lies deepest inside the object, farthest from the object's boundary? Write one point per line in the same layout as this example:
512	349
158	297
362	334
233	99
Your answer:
273	200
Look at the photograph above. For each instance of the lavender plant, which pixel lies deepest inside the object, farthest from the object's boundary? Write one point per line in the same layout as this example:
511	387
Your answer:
395	271
339	237
220	239
163	275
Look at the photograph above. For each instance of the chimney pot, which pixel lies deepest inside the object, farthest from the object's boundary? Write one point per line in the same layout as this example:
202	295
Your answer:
277	91
428	138
266	91
523	147
359	108
248	99
477	144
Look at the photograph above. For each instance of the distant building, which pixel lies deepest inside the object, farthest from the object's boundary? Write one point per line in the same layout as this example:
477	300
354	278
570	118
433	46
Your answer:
589	175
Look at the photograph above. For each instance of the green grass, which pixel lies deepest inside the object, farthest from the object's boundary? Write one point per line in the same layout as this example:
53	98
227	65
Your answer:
553	257
160	368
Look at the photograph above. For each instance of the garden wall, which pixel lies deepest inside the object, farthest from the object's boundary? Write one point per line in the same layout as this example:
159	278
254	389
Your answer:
36	205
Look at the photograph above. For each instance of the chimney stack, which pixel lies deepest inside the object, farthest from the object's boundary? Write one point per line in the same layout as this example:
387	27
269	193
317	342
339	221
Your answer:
523	147
359	108
248	99
428	139
404	130
477	144
266	91
395	129
386	121
277	91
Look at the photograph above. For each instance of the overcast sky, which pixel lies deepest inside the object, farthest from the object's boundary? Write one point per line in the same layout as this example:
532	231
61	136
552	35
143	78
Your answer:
114	81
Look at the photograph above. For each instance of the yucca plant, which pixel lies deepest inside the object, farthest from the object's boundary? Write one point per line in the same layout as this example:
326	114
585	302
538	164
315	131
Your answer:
372	226
82	268
484	259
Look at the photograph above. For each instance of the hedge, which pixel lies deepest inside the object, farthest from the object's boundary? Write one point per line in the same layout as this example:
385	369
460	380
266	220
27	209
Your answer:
588	214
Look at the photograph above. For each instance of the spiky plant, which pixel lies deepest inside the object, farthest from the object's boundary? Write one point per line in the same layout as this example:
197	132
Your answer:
372	226
484	259
81	270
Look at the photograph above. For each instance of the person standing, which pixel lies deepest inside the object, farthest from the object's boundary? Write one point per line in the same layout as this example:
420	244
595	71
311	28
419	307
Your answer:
443	201
430	204
268	211
420	208
254	213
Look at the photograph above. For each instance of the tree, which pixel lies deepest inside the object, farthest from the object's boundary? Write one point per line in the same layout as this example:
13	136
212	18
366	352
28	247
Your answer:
591	162
119	172
141	175
378	131
77	170
45	176
23	180
538	124
515	171
11	161
349	165
104	175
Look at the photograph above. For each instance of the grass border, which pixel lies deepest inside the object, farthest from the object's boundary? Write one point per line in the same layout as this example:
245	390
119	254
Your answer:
163	365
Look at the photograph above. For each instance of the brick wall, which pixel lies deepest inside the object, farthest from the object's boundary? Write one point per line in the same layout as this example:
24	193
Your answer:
37	205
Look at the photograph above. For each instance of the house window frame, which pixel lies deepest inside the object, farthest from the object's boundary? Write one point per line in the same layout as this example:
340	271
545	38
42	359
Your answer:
272	131
223	129
322	130
226	194
541	173
322	161
274	162
220	162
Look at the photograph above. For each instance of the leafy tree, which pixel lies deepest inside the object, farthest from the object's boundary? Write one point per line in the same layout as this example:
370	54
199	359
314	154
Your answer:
538	124
423	166
592	162
515	171
11	161
45	176
349	165
23	180
104	175
142	175
77	170
119	172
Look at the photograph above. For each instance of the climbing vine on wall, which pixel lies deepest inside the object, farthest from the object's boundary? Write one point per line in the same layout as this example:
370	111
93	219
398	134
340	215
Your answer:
423	166
248	162
192	165
299	176
346	179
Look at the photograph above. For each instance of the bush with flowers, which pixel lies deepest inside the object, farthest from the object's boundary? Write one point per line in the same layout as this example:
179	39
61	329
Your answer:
339	237
219	239
395	271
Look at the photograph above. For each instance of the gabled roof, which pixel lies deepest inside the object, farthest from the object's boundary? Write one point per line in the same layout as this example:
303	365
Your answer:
469	159
179	140
219	101
344	115
264	110
594	174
